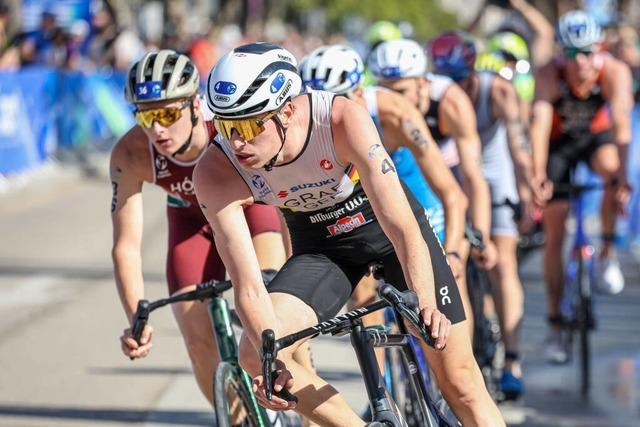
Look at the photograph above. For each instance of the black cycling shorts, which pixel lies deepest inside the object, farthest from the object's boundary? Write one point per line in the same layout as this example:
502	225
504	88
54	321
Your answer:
565	153
325	277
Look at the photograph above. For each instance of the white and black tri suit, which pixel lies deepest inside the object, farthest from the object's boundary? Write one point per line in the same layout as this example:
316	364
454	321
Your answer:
334	232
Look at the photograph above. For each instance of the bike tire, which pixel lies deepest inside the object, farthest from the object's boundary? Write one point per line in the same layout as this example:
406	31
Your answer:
584	306
227	383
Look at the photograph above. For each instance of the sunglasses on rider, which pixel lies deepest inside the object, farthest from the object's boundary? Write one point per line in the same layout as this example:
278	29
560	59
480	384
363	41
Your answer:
247	128
572	52
165	116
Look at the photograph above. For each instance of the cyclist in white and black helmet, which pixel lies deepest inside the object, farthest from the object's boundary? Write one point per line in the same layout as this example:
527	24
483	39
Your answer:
319	159
173	129
405	135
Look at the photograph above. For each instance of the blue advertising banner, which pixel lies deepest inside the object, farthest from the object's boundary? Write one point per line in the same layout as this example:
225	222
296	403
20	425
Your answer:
26	119
42	110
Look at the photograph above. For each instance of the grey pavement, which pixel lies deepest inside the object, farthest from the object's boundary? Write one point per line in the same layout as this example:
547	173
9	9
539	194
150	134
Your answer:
61	365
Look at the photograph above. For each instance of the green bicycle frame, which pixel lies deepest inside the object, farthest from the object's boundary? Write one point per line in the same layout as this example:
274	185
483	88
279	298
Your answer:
228	349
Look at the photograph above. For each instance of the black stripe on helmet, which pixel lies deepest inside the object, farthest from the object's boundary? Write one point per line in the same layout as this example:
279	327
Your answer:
267	72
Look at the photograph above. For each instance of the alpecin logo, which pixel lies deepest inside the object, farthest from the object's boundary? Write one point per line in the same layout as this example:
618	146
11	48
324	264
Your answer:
346	224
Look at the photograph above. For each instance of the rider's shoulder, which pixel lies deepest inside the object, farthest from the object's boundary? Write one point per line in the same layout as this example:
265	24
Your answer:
456	103
214	168
615	69
343	110
132	150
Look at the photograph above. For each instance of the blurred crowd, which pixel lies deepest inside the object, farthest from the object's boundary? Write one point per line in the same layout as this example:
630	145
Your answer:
108	42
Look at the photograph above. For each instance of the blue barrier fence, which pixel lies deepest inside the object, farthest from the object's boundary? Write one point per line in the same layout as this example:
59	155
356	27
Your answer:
42	110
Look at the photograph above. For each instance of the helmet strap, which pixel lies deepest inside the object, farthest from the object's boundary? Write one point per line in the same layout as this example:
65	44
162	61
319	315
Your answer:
194	122
282	132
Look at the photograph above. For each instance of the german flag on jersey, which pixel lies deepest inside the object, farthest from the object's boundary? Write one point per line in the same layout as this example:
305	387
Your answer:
352	173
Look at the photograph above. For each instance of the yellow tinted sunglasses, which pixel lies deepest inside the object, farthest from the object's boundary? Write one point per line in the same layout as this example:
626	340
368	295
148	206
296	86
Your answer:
247	128
164	116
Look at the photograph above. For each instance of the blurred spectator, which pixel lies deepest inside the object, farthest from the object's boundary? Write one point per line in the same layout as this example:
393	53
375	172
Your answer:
9	52
111	47
624	44
204	55
46	45
77	38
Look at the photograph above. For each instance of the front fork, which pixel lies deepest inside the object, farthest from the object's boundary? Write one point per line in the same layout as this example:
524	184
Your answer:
228	349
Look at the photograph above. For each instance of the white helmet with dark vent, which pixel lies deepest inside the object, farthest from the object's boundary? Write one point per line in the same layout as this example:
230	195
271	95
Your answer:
252	79
336	68
397	59
577	29
160	76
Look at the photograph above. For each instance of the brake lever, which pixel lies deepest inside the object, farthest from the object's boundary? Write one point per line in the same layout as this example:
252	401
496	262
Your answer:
140	319
269	367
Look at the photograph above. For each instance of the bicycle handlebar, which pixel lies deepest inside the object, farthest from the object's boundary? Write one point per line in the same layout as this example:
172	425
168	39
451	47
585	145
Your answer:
207	290
405	303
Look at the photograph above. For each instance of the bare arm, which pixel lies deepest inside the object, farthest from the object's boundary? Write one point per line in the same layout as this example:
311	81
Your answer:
407	126
459	118
126	215
541	48
221	193
540	131
619	93
506	106
357	142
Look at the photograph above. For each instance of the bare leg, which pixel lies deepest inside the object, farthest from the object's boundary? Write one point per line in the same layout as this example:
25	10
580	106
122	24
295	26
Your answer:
555	216
195	326
606	162
318	400
508	296
461	382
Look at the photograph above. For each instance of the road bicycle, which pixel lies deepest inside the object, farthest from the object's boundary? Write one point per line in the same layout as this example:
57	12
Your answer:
364	339
232	385
576	306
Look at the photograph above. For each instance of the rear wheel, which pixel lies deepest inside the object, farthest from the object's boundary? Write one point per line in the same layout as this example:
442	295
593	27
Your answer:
234	403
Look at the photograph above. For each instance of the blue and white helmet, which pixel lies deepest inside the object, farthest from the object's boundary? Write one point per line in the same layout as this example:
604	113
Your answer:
336	68
577	29
397	59
252	79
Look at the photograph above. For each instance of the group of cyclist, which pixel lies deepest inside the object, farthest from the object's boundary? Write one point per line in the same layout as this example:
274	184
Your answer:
388	173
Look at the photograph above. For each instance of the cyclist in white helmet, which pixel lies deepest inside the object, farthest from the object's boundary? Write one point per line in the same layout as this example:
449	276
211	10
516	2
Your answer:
582	112
173	129
399	65
339	69
314	156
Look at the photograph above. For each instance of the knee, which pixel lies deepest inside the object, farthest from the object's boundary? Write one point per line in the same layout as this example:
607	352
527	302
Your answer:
248	357
201	347
461	384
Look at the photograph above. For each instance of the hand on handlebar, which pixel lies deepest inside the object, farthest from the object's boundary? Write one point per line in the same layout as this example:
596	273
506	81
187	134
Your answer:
130	346
437	325
487	257
282	380
541	190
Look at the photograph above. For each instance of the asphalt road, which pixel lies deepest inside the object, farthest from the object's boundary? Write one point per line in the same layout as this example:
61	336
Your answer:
60	361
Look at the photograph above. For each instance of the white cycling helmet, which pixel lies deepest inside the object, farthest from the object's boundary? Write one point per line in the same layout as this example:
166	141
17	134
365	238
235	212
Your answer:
336	68
577	29
395	59
159	76
252	79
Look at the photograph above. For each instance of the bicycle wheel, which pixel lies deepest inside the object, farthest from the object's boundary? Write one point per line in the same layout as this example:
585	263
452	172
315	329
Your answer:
234	402
584	325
